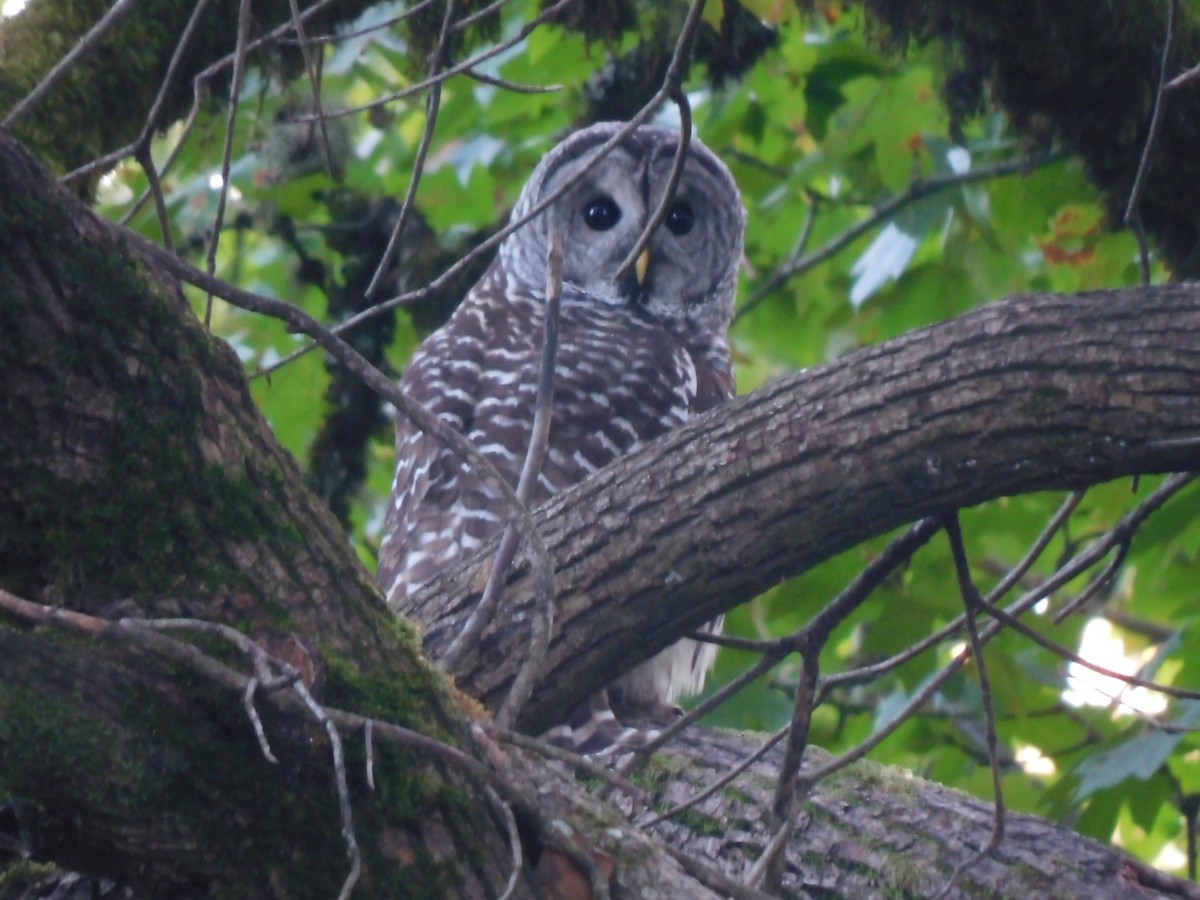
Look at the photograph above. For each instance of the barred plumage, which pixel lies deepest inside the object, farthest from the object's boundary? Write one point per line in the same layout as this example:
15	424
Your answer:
637	357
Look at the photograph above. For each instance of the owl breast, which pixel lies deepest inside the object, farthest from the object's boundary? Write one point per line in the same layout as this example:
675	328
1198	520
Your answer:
619	381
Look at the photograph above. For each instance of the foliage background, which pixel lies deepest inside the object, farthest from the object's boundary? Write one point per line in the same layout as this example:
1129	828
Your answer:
829	123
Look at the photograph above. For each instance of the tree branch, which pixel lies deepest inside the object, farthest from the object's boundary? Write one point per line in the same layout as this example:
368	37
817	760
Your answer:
1032	393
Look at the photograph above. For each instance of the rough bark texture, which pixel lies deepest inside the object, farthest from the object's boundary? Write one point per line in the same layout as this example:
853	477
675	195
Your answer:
136	475
872	832
130	764
1030	393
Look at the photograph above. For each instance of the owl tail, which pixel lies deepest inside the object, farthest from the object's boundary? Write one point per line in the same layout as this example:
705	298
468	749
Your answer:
594	730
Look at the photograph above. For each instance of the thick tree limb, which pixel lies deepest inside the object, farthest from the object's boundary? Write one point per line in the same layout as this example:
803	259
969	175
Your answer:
140	472
1031	393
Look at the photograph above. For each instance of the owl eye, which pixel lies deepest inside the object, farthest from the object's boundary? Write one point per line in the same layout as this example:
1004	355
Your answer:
601	213
680	218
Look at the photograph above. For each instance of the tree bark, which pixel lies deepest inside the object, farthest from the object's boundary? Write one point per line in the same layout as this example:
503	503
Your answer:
137	476
1031	393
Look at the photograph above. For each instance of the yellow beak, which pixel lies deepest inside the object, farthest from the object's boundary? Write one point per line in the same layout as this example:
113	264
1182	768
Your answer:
642	264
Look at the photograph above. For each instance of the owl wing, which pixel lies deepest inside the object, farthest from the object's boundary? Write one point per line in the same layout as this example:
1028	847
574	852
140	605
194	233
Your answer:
424	521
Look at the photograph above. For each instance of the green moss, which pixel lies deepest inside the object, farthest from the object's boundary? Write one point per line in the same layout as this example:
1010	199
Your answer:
129	63
138	502
187	754
20	878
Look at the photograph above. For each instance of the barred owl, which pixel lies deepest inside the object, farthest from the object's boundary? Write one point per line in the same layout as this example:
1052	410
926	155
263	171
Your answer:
638	355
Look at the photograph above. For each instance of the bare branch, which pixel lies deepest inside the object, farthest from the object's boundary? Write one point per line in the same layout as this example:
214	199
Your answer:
539	441
972	601
152	118
808	639
1070	570
432	104
68	62
672	88
1133	213
724	780
918	190
790	791
358	32
314	81
235	94
458	68
513	86
256	722
343	790
1010	579
514	840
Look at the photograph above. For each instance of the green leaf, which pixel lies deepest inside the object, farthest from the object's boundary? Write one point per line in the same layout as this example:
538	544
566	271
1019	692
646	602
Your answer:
1138	758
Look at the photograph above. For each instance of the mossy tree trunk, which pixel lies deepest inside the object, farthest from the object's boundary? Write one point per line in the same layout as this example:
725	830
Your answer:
138	479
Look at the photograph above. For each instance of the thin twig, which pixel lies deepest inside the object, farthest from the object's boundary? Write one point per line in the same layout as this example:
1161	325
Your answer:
1095	586
456	69
343	790
200	95
1133	211
155	186
147	635
792	265
542	623
359	32
673	179
577	761
314	81
481	615
790	791
723	780
515	87
152	118
1014	575
643	752
369	747
916	191
256	722
514	840
897	552
772	853
432	104
1091	556
1065	653
459	444
973	602
64	65
1184	78
672	89
712	877
235	93
467	21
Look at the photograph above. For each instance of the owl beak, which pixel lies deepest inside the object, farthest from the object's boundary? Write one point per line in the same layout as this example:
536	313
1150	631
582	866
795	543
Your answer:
642	264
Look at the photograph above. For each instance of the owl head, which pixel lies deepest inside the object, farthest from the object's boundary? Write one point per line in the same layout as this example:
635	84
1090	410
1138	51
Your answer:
687	277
